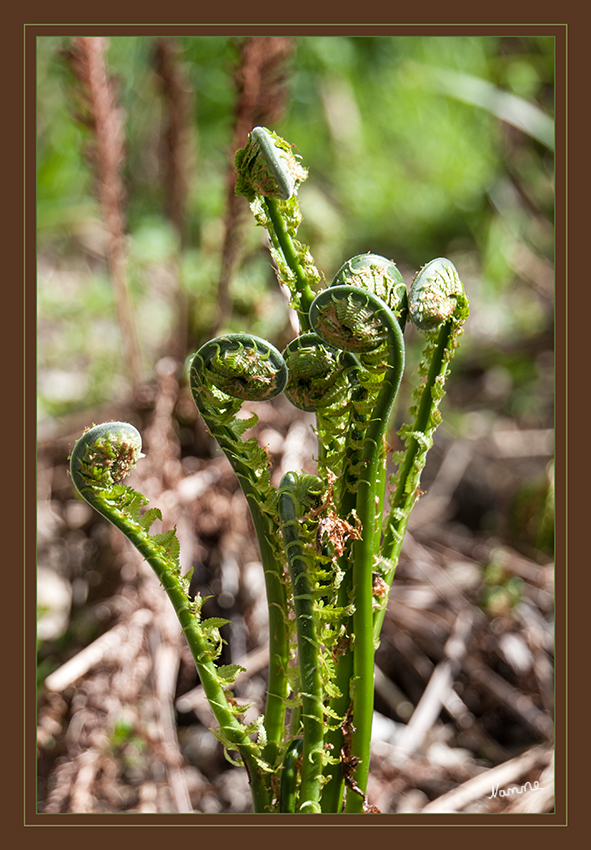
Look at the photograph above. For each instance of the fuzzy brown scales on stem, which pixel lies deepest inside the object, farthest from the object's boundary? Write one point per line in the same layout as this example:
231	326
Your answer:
379	586
332	526
269	457
349	762
338	532
343	644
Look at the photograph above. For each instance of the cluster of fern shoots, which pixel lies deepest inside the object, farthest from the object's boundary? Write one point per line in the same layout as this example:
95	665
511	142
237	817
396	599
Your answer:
330	542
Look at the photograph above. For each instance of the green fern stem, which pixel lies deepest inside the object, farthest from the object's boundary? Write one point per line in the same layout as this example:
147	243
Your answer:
438	307
362	323
99	461
366	272
283	241
312	715
323	379
216	361
332	795
364	560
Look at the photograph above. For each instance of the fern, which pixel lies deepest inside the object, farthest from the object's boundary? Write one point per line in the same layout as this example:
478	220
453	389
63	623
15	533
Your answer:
329	543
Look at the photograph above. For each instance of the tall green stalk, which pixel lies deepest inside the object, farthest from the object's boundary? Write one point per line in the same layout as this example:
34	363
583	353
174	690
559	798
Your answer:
439	308
223	367
312	715
361	322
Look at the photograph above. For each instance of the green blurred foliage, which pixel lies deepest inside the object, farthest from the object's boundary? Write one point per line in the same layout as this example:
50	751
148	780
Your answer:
401	163
501	591
532	514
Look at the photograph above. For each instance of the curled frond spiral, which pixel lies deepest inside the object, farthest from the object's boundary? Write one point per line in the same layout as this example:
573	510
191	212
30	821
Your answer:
267	166
241	366
378	275
439	307
223	373
351	318
103	456
269	175
100	459
359	322
315	370
436	294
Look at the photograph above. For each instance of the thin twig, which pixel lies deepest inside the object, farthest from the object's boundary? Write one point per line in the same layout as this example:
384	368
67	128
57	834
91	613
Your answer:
517	702
81	796
166	665
425	565
483	785
107	645
441	681
537	799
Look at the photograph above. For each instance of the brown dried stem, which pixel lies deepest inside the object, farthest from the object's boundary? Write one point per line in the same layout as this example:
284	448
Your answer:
98	110
176	164
176	136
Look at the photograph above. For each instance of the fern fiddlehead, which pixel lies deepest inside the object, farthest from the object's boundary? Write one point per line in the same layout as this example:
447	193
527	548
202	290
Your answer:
439	307
99	462
436	294
358	321
223	373
379	275
320	381
241	366
315	372
269	175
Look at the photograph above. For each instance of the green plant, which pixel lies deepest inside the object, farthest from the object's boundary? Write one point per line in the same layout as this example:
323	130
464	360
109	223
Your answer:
329	546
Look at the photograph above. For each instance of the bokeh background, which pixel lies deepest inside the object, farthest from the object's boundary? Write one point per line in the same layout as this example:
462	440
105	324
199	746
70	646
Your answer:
417	147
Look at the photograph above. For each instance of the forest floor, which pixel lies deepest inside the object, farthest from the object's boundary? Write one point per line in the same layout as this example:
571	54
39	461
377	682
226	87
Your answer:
464	671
